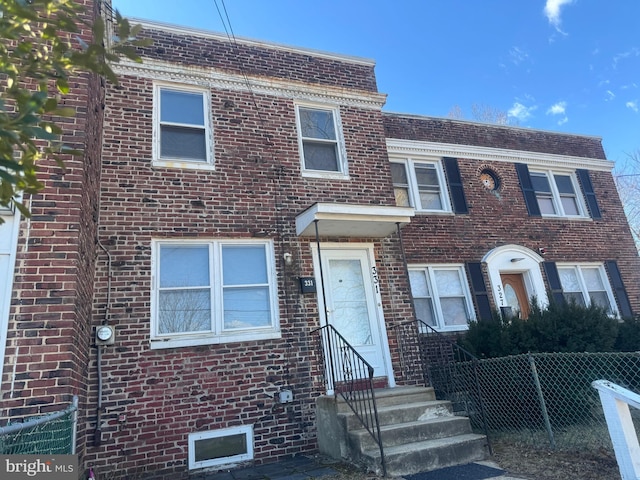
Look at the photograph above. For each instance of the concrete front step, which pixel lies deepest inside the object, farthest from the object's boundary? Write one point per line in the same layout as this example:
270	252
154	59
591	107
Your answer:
395	396
418	432
394	414
411	432
428	455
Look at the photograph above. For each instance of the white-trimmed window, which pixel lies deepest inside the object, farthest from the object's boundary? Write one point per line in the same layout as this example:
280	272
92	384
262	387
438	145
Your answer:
441	296
420	184
321	142
9	231
213	292
558	194
587	284
182	126
220	447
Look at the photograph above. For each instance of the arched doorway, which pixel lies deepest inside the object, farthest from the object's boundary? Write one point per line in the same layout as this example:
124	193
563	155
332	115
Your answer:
515	276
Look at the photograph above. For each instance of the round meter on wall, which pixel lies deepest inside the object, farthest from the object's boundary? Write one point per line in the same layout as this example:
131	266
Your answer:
104	335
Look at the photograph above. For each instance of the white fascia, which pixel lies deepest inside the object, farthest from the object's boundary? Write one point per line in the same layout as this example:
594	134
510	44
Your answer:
416	148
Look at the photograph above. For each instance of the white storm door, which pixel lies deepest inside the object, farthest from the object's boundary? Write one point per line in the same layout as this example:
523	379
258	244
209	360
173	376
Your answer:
352	305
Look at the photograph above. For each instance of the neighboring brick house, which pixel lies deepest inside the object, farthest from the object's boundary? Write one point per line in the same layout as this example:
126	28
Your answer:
47	266
246	189
515	212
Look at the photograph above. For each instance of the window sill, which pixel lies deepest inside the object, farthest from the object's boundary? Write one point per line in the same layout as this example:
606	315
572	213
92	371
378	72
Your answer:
559	217
158	343
183	165
435	212
324	175
456	329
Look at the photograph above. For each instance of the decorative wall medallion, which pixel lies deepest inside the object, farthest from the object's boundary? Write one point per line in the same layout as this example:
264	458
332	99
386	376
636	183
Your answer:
489	179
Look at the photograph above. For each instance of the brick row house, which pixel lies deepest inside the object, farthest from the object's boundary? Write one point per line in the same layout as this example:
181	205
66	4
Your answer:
247	194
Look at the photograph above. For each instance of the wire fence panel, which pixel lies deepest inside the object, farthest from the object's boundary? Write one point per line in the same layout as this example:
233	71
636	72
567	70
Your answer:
547	398
52	434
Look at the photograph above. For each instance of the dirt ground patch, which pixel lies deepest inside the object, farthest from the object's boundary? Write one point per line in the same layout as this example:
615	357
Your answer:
526	462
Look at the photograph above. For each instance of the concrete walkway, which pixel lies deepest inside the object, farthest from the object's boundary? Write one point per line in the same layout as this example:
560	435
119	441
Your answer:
306	468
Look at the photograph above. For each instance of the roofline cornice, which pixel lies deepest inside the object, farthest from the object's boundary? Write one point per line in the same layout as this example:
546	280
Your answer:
213	78
182	30
403	147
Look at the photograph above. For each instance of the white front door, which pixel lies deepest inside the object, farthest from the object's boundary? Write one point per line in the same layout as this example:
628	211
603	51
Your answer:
353	305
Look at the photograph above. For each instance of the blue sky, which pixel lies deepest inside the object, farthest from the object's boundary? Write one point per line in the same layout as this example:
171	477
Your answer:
563	65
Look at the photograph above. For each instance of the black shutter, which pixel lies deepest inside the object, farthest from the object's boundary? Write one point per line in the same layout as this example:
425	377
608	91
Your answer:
527	190
479	290
589	194
618	288
455	185
555	287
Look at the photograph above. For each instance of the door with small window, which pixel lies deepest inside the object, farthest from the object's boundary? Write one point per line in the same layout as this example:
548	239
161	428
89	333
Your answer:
352	304
515	294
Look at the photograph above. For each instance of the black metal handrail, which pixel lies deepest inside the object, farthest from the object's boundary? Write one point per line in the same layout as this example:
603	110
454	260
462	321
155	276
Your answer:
450	369
348	374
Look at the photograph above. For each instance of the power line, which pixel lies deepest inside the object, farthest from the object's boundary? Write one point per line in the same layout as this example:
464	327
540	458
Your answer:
232	39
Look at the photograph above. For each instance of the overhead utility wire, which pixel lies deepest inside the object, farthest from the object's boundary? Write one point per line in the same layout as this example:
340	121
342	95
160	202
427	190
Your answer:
232	39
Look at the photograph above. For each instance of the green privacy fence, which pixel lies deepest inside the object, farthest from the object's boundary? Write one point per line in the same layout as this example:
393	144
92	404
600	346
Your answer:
541	399
53	434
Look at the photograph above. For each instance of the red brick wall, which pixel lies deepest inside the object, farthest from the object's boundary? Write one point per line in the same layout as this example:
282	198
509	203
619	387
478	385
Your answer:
256	189
442	130
49	324
241	57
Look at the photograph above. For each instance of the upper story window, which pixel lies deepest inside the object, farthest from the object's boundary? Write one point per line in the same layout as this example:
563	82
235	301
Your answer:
587	284
420	184
321	142
441	296
556	194
213	292
182	135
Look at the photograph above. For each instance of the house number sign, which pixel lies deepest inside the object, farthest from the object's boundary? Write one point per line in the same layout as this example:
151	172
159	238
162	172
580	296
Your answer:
374	277
307	284
500	295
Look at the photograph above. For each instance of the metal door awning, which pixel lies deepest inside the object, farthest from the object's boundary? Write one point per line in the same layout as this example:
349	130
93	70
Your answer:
348	220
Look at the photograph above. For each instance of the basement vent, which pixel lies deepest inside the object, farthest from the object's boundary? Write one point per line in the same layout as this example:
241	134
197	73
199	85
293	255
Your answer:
220	447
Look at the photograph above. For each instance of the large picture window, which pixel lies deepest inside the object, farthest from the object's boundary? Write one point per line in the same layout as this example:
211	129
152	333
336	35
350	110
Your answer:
587	284
420	184
182	126
321	141
212	292
441	296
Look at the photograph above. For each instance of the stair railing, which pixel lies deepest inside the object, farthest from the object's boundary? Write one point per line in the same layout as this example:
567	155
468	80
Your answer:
348	374
450	369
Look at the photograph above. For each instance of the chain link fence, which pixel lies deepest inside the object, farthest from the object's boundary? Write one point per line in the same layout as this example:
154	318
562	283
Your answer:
52	434
540	399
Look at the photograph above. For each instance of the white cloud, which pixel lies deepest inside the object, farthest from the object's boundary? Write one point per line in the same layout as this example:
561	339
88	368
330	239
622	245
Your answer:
610	96
517	55
633	52
520	111
557	108
563	120
552	12
633	105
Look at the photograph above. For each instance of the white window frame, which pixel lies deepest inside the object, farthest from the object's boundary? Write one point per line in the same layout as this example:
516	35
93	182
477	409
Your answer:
208	128
585	292
556	196
414	193
8	248
217	334
430	269
343	170
247	430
